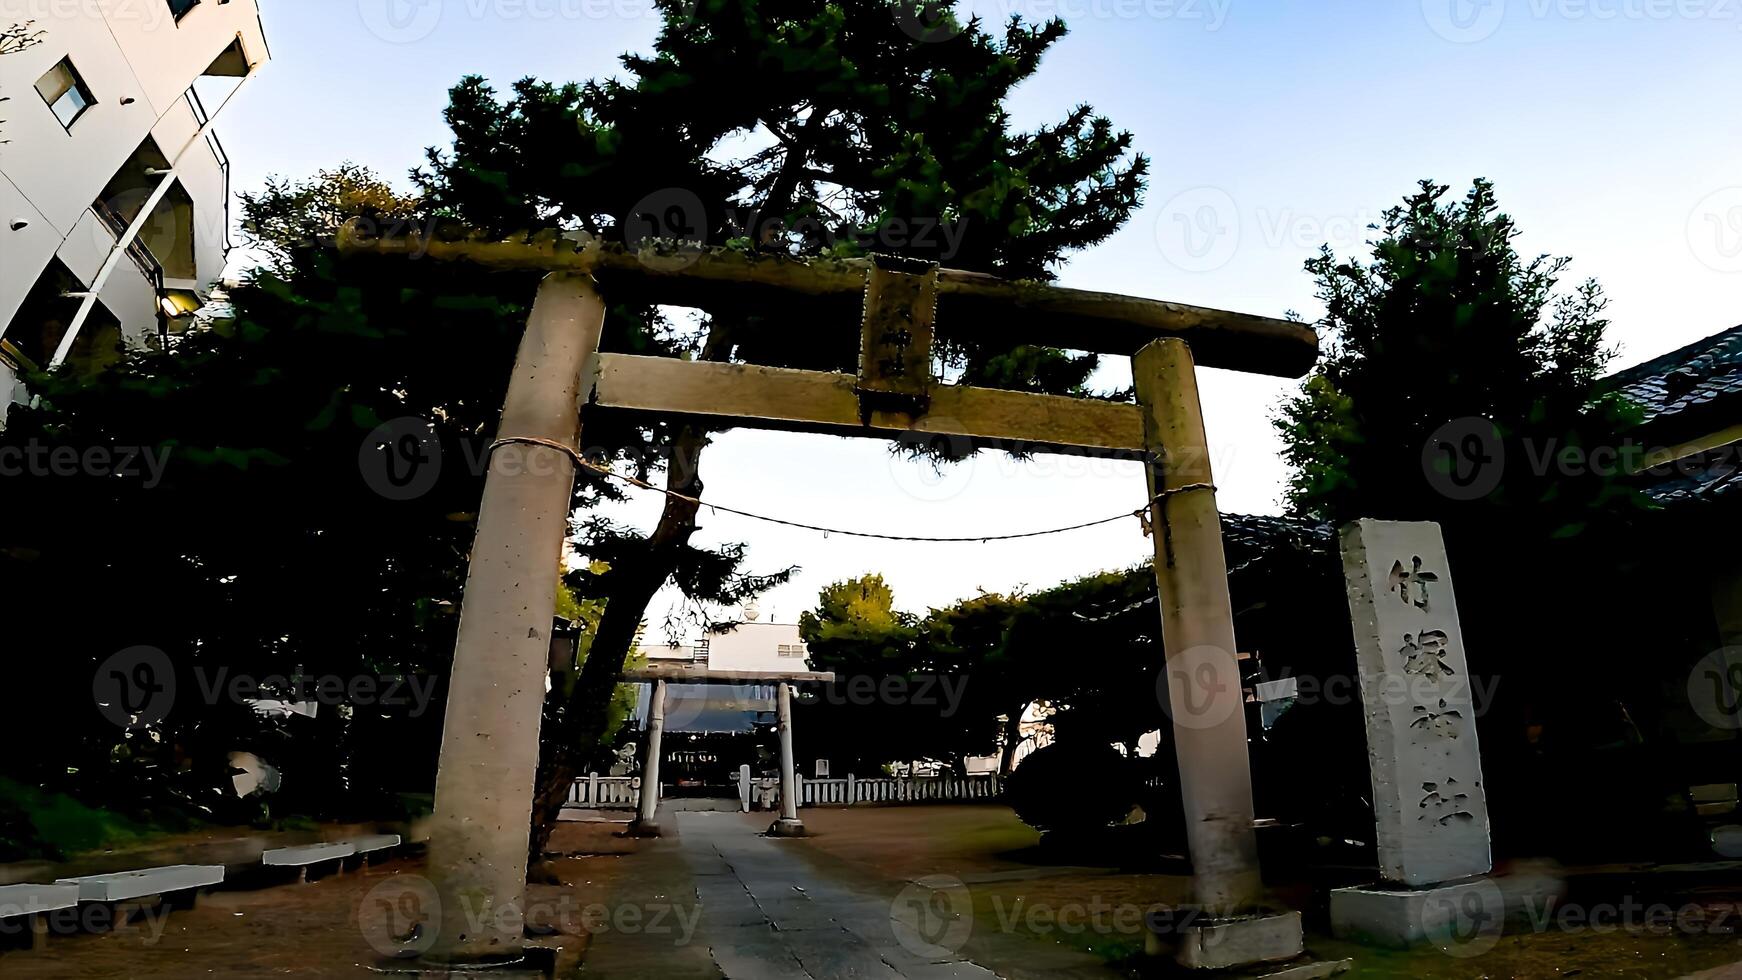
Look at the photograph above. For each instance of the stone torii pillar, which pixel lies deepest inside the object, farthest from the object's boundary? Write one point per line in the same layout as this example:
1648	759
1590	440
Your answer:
646	823
789	824
1203	676
489	758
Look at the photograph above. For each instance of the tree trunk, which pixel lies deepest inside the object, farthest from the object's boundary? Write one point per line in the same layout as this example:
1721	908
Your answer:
1012	740
575	728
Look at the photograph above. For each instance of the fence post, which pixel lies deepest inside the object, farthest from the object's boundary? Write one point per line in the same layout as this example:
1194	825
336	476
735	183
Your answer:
744	788
592	789
852	790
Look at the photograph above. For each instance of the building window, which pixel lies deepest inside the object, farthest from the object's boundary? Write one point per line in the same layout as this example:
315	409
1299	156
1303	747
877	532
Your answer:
791	650
180	7
42	321
65	92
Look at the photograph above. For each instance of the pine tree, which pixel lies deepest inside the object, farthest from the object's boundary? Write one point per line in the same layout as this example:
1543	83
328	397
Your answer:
798	127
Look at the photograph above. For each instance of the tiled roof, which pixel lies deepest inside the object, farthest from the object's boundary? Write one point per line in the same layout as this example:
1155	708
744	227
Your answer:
1705	478
1697	375
1259	533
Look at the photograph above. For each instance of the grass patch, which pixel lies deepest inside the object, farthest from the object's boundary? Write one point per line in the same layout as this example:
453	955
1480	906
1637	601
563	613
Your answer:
44	825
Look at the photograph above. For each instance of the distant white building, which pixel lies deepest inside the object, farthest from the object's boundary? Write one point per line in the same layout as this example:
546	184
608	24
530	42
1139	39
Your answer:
747	646
750	645
112	181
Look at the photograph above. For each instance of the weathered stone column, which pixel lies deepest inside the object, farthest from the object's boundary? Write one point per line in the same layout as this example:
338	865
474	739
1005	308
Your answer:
1197	617
489	757
1203	678
1430	807
646	822
788	825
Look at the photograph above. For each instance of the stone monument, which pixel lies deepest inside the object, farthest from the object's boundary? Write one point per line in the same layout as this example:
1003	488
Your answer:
1429	804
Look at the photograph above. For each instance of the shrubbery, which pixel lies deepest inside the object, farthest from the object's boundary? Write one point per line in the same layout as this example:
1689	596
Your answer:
1073	787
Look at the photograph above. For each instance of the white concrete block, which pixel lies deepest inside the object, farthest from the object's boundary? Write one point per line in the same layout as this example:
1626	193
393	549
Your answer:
1311	970
297	857
375	842
16	900
124	885
1463	916
1429	803
1280	689
1229	943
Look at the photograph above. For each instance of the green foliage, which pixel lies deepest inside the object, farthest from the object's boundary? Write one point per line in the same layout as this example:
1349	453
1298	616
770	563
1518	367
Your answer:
1102	619
807	127
799	127
1449	354
1448	322
288	216
866	602
38	825
1073	787
996	655
260	547
802	127
585	615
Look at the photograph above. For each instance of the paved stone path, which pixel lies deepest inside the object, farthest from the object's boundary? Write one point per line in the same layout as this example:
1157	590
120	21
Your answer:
769	909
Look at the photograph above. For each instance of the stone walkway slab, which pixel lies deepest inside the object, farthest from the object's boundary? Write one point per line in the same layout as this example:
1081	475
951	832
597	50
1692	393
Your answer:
767	910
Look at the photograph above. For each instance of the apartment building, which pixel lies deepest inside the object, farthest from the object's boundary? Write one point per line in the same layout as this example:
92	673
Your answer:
114	188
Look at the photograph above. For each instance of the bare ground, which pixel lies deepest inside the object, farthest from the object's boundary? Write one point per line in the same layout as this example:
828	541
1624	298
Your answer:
339	925
1101	910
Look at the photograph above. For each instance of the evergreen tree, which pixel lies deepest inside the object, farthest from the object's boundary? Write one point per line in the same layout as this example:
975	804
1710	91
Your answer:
1460	385
798	127
1446	330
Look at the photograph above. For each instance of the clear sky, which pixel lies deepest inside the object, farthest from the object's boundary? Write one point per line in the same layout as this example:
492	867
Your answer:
1273	126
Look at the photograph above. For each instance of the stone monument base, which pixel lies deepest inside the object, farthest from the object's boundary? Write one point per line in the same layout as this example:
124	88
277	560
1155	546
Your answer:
1405	917
643	828
1221	944
786	828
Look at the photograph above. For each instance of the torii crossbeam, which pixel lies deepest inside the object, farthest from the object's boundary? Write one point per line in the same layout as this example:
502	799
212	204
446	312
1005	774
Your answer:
490	741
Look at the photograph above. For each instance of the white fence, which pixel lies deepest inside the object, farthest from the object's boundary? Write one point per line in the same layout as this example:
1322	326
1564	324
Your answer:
605	792
915	789
624	792
920	789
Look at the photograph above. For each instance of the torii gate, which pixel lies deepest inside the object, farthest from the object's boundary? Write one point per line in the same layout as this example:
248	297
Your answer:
787	824
490	749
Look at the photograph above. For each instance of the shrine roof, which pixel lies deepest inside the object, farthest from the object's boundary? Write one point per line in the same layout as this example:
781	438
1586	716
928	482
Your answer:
1685	382
1298	533
1706	478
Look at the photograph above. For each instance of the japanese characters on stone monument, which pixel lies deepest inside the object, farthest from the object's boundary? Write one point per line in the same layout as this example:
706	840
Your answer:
1428	799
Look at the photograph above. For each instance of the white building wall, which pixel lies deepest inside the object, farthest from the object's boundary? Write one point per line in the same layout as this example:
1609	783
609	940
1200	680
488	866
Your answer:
61	171
8	388
200	172
24	251
49	176
756	646
85	247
